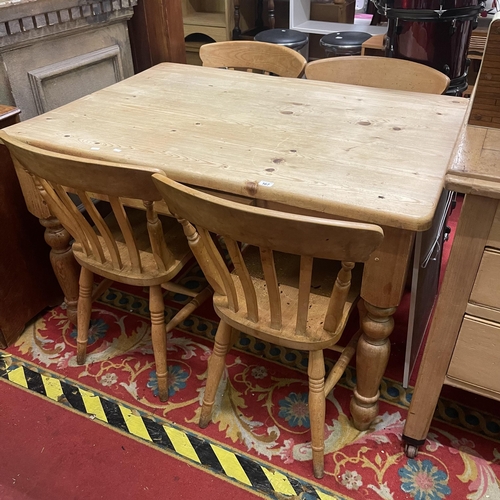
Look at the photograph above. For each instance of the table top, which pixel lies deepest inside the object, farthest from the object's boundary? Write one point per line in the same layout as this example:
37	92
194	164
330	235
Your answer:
363	153
476	161
475	167
8	111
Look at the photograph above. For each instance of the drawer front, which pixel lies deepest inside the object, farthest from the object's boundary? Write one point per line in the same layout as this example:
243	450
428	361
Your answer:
486	289
494	237
476	358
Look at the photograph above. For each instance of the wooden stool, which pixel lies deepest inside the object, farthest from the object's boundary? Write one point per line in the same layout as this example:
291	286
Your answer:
24	256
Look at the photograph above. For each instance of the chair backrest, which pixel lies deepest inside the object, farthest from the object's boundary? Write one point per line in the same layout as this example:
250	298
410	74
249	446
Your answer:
55	174
270	231
252	56
379	72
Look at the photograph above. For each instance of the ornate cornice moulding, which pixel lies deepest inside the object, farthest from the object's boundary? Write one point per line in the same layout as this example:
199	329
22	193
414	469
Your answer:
24	20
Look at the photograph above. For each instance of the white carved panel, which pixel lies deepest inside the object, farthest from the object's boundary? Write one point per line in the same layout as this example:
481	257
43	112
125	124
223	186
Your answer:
64	81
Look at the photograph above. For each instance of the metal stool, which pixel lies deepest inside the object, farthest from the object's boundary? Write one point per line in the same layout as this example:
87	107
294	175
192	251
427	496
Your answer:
344	43
295	40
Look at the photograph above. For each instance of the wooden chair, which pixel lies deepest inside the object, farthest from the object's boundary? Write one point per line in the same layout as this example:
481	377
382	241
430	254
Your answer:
130	246
274	293
256	57
379	72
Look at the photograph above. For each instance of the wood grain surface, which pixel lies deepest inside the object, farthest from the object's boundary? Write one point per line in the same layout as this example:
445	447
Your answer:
475	167
369	154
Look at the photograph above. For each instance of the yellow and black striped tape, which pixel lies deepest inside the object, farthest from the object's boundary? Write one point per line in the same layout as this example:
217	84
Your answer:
238	468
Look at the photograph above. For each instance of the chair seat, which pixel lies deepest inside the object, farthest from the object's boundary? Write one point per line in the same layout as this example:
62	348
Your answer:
287	270
175	240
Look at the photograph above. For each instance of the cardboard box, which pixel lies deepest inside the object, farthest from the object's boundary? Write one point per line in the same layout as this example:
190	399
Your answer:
333	12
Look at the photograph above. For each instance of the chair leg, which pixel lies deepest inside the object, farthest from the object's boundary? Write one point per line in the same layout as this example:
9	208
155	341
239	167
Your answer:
216	365
317	407
159	339
83	315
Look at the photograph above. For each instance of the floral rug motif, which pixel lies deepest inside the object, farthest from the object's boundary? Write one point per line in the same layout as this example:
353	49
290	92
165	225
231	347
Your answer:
262	402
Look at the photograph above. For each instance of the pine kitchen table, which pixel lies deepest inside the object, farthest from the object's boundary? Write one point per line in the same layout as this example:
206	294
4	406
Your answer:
305	146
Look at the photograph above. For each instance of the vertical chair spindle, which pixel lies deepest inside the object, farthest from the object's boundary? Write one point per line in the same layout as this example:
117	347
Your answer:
246	282
305	278
273	291
103	229
220	265
202	256
81	222
128	235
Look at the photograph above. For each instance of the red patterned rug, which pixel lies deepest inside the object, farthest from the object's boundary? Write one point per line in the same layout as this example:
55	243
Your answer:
261	410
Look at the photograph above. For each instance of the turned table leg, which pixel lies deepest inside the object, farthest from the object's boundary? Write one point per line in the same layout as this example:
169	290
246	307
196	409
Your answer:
384	279
64	264
372	355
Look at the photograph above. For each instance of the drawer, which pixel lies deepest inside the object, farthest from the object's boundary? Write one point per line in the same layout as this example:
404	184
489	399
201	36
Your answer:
486	289
476	358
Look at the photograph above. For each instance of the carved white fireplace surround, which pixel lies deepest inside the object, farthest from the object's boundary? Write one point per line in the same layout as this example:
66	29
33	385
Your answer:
55	51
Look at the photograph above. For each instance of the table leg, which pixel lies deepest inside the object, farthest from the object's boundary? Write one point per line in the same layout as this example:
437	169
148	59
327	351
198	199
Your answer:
372	355
384	280
64	264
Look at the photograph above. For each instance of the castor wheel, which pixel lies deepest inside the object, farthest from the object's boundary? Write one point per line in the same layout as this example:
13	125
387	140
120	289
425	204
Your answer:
411	451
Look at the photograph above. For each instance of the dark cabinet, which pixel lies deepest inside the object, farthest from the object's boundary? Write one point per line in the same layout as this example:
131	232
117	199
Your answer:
27	282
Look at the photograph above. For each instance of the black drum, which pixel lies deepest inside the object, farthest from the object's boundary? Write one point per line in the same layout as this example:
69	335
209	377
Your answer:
432	32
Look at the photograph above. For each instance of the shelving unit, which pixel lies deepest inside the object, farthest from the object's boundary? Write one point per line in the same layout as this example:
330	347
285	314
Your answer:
213	18
206	21
300	20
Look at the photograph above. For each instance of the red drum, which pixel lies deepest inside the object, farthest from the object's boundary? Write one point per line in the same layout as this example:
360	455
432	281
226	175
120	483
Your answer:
432	32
